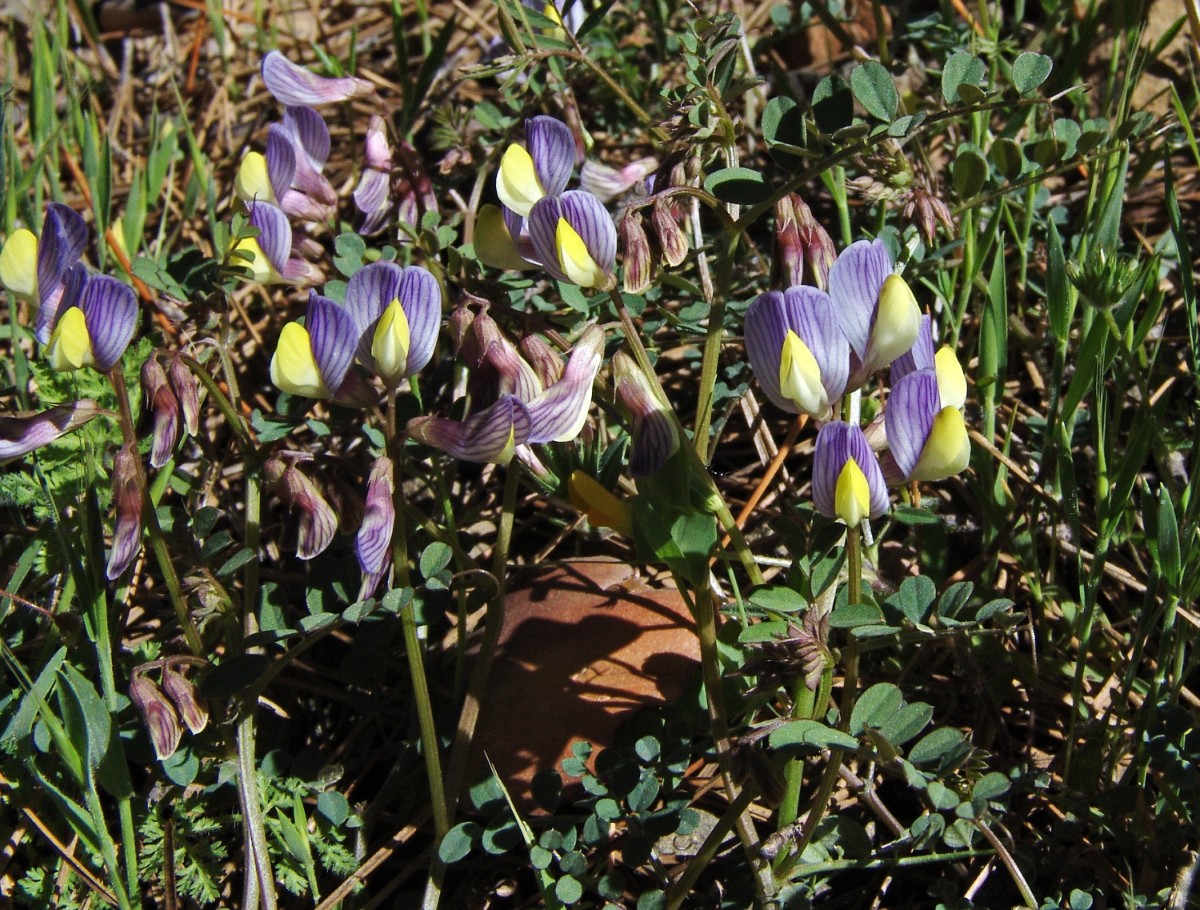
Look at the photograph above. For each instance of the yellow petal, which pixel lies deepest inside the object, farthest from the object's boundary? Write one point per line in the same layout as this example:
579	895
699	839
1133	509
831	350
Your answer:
952	384
897	322
494	246
253	183
517	183
800	377
70	344
258	263
389	346
852	496
18	263
293	369
602	508
947	450
574	258
550	11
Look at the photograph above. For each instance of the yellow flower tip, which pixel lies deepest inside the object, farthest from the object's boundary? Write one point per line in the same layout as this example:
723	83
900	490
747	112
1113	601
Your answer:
253	183
800	377
389	345
550	11
118	236
602	508
293	368
18	263
494	246
897	321
573	256
952	384
852	496
517	183
510	447
70	346
256	260
947	450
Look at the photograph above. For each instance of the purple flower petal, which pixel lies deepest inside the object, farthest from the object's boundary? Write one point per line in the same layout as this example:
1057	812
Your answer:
837	443
21	435
371	197
281	161
505	365
421	299
379	518
591	220
127	502
552	148
766	327
333	338
908	417
558	414
920	355
655	437
274	233
854	284
110	310
542	225
518	231
294	85
64	235
811	315
488	436
368	293
309	130
66	295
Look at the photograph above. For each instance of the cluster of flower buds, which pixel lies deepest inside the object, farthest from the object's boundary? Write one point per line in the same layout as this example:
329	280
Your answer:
804	250
167	708
667	240
83	319
173	399
519	397
542	224
809	347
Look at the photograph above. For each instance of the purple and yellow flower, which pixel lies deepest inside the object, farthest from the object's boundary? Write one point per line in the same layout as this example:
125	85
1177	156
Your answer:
289	175
373	195
296	86
379	518
655	433
35	268
312	360
797	351
574	238
269	256
94	322
926	433
529	174
847	480
21	435
952	384
875	308
396	314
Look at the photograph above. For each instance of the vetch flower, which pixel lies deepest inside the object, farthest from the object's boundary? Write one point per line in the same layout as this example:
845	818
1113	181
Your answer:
379	518
158	714
396	313
798	353
372	196
847	480
312	360
655	435
35	268
127	502
21	435
269	256
952	384
607	183
489	436
875	308
294	85
317	520
95	322
164	410
527	175
574	238
289	175
926	435
191	705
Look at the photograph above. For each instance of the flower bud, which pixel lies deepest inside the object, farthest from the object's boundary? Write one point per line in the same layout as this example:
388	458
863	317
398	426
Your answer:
819	252
158	714
459	323
545	362
789	251
670	235
639	259
187	391
164	409
655	436
379	517
127	501
190	704
317	520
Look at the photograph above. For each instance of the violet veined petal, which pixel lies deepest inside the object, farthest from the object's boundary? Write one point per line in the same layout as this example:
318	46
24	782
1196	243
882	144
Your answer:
379	518
378	151
371	197
302	273
766	327
655	437
333	338
506	365
160	400
369	291
421	299
21	435
811	315
310	132
919	356
127	503
595	226
66	295
317	520
558	414
281	161
110	309
294	85
274	234
854	284
607	183
491	435
543	229
63	237
552	148
837	444
908	417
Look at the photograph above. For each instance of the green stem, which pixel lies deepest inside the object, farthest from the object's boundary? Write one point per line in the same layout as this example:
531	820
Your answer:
259	880
412	642
737	809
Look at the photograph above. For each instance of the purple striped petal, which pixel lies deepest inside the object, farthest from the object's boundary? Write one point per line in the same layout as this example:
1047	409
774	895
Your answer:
310	132
281	160
920	355
558	414
379	518
333	338
512	374
274	233
908	417
66	295
368	293
110	310
854	284
371	197
542	225
837	443
488	436
377	152
421	299
518	231
591	220
64	235
655	437
810	314
552	148
21	435
766	327
127	503
294	85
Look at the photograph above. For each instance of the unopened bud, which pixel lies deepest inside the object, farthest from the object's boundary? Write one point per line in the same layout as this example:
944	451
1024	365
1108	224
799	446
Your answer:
639	259
459	323
158	714
545	362
187	390
655	437
164	410
190	704
127	502
789	251
379	518
378	153
671	236
317	520
819	251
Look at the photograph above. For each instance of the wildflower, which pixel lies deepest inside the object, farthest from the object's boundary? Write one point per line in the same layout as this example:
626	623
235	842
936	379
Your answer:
164	409
317	520
798	353
952	384
529	175
21	435
379	518
574	238
158	714
289	175
926	433
396	313
191	706
875	308
489	436
35	269
655	435
602	508
372	196
269	256
847	481
294	85
94	323
607	183
127	501
312	360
